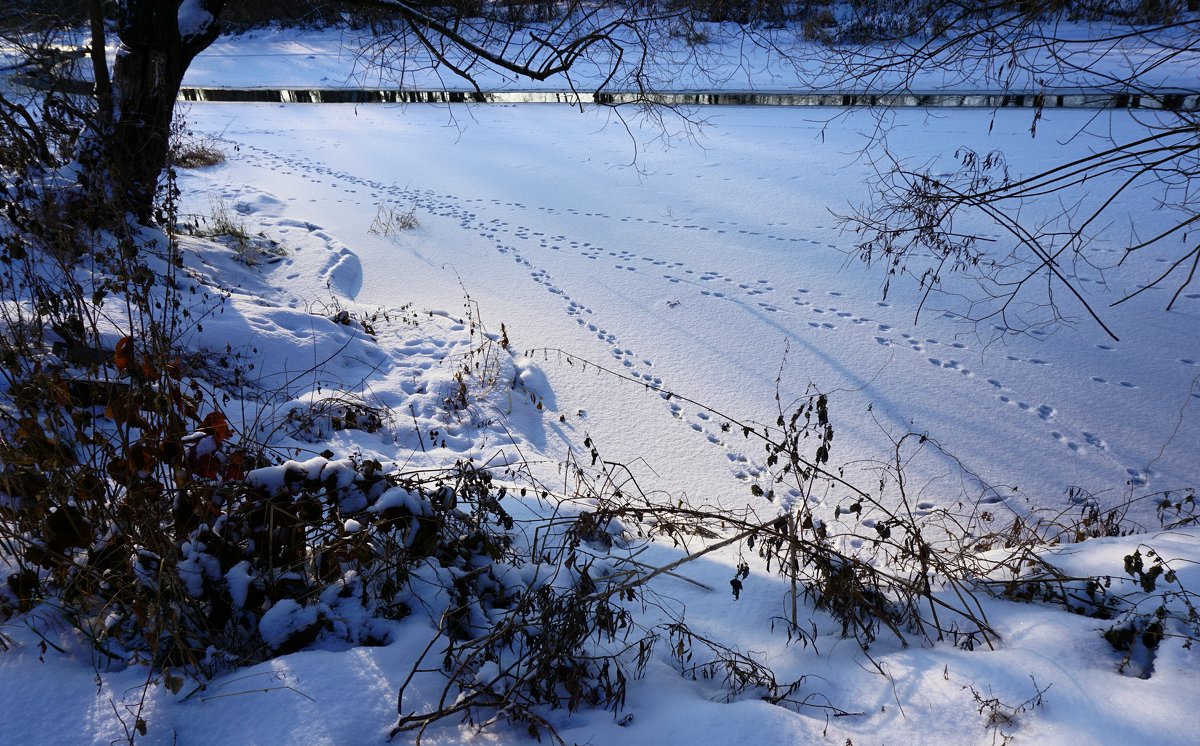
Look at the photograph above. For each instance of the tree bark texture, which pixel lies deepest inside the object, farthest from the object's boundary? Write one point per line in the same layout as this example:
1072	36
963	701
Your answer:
147	72
99	57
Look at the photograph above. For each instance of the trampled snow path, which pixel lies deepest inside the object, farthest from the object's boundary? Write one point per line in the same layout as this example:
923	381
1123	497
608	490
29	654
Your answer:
694	277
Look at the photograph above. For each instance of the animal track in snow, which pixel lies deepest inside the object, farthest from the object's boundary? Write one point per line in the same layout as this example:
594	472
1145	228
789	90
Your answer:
529	247
1122	384
1031	360
951	365
515	236
1138	477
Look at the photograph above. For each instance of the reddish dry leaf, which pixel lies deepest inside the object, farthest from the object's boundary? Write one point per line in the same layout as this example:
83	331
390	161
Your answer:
217	426
123	353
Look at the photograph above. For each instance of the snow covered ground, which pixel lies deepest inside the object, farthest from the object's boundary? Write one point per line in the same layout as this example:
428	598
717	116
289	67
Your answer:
708	270
713	270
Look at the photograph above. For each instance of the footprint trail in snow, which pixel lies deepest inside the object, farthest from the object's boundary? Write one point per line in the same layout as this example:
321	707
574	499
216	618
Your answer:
514	234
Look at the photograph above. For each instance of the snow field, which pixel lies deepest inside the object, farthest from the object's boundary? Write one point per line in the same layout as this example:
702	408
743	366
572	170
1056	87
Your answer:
704	269
708	271
693	274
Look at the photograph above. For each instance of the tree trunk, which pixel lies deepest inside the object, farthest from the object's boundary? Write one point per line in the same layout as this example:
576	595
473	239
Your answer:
103	89
159	39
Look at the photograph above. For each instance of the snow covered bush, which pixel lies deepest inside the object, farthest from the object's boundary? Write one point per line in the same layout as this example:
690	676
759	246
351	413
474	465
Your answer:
136	511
